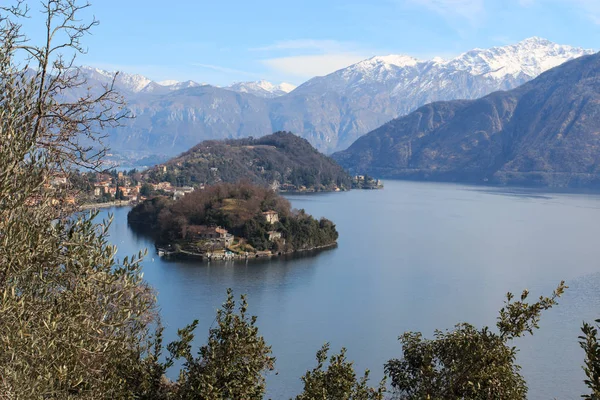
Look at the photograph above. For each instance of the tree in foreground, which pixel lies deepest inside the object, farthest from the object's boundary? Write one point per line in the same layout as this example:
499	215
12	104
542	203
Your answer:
74	322
338	381
469	363
232	363
589	342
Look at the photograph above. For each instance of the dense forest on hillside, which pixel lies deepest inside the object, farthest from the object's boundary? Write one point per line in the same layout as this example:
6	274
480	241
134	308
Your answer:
238	208
282	160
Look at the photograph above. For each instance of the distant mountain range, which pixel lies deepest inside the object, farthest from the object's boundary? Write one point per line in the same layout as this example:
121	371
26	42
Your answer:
332	111
129	84
544	133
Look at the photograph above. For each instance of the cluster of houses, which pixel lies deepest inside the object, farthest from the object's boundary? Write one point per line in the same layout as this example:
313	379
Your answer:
272	217
221	237
366	182
212	233
176	192
123	185
50	186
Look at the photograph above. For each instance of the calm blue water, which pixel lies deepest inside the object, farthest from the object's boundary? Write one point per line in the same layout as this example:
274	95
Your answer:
414	256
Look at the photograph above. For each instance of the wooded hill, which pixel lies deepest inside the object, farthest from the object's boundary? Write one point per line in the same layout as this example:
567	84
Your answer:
282	160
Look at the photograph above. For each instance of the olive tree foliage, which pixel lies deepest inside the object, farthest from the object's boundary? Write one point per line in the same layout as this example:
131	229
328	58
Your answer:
232	363
338	381
469	363
74	322
589	342
67	118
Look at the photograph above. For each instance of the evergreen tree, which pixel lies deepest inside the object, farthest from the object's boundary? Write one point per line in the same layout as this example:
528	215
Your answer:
589	342
469	363
338	381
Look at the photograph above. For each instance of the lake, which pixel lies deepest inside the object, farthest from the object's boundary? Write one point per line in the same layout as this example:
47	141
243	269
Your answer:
414	256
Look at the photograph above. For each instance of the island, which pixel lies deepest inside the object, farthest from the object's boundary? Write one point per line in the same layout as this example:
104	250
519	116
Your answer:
230	221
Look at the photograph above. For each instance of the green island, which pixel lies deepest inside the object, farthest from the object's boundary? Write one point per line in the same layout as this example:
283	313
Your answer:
230	221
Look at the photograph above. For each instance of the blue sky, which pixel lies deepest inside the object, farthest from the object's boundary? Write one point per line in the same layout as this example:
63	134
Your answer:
222	41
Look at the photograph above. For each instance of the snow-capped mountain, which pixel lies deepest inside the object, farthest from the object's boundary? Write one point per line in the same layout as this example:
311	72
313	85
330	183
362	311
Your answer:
129	82
380	88
331	111
543	133
168	82
164	87
530	58
262	88
502	66
134	83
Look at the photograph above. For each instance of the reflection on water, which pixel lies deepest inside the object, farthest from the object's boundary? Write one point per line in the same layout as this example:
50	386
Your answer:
410	257
515	193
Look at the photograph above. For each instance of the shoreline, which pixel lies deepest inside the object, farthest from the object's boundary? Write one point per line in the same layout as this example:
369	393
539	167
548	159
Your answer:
117	203
182	254
125	203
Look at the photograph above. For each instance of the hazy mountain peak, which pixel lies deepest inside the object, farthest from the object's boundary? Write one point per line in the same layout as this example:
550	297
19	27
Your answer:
286	87
392	59
536	40
261	88
168	82
130	82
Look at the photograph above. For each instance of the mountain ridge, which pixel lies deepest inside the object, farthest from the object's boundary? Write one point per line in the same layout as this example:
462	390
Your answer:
334	110
543	133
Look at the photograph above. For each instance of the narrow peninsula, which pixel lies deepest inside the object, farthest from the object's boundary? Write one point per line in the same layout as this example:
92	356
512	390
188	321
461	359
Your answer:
283	161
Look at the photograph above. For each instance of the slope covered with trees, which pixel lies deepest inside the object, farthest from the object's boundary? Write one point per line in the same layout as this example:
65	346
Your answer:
282	160
238	208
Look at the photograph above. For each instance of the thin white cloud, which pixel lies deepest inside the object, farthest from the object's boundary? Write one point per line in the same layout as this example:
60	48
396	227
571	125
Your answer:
154	72
226	70
473	11
588	8
307	44
308	66
502	39
306	58
591	8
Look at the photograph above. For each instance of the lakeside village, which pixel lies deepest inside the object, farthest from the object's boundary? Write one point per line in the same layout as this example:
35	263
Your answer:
99	189
269	233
